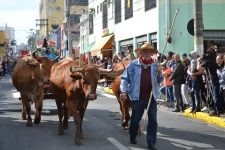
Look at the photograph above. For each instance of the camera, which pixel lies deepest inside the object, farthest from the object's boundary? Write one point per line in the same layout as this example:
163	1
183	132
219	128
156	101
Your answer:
206	56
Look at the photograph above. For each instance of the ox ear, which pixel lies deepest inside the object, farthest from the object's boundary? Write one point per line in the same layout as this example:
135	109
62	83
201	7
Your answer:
75	69
36	54
76	76
31	62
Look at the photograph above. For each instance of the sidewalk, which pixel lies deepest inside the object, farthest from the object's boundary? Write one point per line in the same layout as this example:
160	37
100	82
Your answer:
219	121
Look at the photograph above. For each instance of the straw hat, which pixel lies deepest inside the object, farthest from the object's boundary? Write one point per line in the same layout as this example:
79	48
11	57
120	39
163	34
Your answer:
146	46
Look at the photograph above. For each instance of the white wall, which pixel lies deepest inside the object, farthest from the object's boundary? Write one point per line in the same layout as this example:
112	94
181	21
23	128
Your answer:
141	23
97	21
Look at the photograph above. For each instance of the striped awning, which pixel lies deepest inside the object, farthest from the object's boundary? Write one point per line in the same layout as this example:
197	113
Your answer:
105	43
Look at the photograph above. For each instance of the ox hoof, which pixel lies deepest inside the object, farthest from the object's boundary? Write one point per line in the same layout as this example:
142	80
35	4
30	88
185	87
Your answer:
78	141
124	124
126	127
141	131
60	131
24	116
29	124
37	120
65	126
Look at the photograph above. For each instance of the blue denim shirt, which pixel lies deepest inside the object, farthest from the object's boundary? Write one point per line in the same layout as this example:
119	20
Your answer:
131	78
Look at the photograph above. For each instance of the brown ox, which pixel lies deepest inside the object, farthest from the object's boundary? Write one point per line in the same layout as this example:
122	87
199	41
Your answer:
28	77
114	76
72	88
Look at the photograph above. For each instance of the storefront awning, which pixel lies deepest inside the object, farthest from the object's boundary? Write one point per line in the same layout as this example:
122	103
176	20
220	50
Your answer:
105	43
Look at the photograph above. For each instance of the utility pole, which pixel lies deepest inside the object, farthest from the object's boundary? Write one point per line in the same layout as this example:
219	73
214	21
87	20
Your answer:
68	30
198	27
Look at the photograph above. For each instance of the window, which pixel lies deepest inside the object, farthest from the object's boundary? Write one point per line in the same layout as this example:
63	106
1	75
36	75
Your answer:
78	2
149	4
91	24
100	7
117	11
97	9
75	18
154	39
105	16
128	9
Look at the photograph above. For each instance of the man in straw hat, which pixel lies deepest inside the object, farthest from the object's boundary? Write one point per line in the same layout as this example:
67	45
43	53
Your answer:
142	76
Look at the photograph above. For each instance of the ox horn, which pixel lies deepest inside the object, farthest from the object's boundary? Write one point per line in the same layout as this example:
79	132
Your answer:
110	73
104	71
75	69
34	54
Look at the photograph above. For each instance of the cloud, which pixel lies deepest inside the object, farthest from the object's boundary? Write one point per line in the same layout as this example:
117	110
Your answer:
15	5
20	14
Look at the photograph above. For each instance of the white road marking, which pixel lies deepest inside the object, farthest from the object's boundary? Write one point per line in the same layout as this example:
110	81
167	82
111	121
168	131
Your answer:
104	94
16	94
109	96
181	143
117	143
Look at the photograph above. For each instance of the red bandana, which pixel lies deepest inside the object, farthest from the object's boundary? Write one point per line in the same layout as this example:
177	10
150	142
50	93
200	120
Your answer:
144	61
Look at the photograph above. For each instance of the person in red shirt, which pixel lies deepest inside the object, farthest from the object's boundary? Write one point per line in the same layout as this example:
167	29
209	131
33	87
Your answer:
167	88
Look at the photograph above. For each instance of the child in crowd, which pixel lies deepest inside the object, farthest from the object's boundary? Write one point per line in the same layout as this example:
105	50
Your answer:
193	69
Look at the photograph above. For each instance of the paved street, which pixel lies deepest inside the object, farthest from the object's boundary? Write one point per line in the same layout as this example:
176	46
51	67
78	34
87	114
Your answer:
102	129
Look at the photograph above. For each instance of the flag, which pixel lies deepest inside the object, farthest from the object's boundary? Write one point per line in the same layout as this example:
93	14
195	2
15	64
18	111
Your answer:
84	57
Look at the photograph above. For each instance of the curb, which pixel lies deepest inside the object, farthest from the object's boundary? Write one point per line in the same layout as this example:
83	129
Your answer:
219	121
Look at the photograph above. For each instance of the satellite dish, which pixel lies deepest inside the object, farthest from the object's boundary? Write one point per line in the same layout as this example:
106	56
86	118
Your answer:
55	26
190	27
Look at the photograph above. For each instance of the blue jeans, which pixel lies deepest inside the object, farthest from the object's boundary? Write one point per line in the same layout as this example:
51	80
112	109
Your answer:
218	98
196	97
169	92
138	108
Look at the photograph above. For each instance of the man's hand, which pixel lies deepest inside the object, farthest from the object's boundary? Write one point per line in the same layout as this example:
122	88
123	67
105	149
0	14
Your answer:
123	96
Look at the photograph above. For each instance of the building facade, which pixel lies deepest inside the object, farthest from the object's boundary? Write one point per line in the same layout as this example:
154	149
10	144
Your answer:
51	17
134	22
182	40
7	41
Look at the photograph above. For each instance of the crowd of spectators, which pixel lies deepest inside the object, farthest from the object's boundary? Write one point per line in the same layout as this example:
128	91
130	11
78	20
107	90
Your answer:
107	62
190	81
6	66
198	83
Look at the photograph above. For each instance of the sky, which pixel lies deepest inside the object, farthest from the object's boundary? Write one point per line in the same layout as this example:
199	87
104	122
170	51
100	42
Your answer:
20	14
